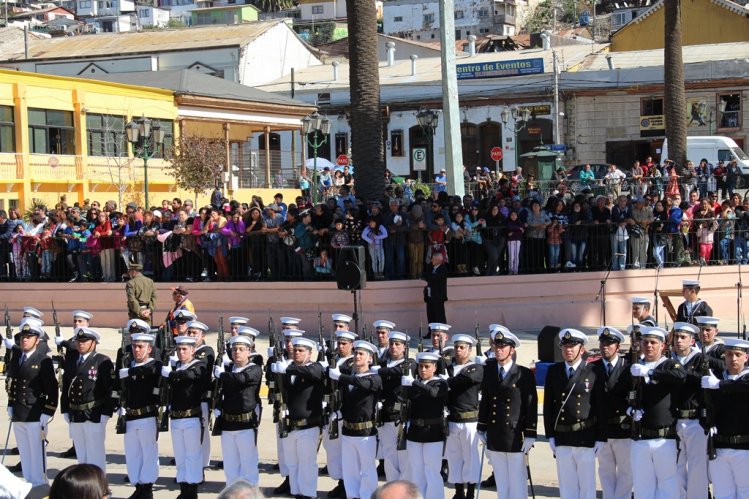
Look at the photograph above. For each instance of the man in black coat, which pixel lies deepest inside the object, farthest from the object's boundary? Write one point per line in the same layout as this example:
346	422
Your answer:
435	292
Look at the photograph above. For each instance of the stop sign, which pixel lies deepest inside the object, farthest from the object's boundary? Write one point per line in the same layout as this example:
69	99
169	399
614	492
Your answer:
496	153
342	160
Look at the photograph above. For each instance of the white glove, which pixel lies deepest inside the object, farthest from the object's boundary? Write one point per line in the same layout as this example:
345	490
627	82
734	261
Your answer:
527	444
597	447
324	363
407	380
639	370
635	414
479	360
710	382
338	415
104	420
712	431
173	359
59	340
166	371
334	373
225	359
10	412
279	367
44	420
121	411
374	368
8	343
270	352
444	376
124	372
66	417
379	406
482	436
217	371
216	413
553	445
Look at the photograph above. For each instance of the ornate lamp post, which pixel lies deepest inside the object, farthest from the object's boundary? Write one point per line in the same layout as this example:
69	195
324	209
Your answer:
146	137
524	114
428	120
321	126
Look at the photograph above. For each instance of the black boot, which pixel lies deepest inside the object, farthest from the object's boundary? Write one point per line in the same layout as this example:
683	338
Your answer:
138	494
283	489
193	491
381	469
146	491
471	492
339	490
182	490
489	482
459	491
70	453
444	470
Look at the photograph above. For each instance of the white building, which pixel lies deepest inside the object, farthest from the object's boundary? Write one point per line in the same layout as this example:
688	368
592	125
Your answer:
322	10
152	16
623	15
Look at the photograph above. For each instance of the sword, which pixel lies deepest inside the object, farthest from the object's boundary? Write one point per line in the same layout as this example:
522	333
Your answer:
7	439
481	469
44	451
530	478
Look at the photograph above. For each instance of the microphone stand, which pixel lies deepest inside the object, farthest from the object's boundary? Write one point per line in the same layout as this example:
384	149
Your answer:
602	295
741	331
656	293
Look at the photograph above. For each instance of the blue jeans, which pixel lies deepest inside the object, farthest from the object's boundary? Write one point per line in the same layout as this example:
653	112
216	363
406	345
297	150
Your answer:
577	253
395	261
742	250
725	247
619	258
553	255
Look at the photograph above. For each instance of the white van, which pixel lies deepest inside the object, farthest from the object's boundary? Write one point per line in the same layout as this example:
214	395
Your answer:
714	148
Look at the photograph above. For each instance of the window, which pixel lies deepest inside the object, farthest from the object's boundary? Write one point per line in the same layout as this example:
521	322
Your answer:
459	14
84	4
143	13
7	130
618	18
396	143
317	9
106	135
428	18
398	19
341	144
483	13
651	107
729	107
323	98
51	132
203	18
484	30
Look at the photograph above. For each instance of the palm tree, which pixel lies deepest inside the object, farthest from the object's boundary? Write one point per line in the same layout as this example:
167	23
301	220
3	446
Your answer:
364	84
674	100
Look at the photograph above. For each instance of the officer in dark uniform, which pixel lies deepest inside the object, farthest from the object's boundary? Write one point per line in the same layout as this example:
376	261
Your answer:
614	466
237	412
204	353
709	336
729	395
575	417
427	425
86	401
32	401
187	391
462	446
508	414
360	392
391	371
692	306
304	384
641	311
139	377
654	442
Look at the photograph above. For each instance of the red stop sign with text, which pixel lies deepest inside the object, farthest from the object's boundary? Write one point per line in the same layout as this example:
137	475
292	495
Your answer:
496	153
342	160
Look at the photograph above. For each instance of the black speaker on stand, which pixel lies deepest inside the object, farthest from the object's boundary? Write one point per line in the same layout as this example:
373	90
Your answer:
351	275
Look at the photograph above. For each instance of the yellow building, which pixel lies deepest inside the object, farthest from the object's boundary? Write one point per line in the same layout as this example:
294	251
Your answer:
703	22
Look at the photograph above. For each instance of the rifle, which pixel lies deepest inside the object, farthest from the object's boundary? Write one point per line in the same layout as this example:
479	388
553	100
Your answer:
706	411
333	401
122	418
320	337
634	394
405	409
421	338
441	368
216	391
477	335
282	424
164	387
60	357
271	380
9	335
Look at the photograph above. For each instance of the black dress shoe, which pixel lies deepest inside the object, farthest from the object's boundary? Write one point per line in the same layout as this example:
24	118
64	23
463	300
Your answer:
284	488
489	482
13	451
323	470
381	469
338	491
69	454
15	469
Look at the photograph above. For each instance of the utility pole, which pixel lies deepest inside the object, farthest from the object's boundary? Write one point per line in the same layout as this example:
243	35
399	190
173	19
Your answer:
556	96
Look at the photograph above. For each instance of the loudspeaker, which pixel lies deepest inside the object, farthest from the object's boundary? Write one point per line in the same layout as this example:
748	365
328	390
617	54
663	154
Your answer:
548	344
350	271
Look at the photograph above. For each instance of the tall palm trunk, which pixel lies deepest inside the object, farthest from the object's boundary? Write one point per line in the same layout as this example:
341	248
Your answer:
674	100
364	82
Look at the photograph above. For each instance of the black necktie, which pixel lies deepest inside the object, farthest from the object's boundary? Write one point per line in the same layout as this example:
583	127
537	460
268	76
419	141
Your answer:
23	359
571	371
609	368
501	373
80	360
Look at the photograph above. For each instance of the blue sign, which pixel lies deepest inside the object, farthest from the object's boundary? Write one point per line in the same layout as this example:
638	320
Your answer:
500	69
558	147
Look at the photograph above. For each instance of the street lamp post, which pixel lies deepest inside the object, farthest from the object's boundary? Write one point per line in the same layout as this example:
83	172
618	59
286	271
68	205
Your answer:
524	114
146	137
428	120
320	125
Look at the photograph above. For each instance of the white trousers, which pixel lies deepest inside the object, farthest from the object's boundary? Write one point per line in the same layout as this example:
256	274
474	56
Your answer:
30	443
300	453
240	456
396	461
333	452
142	451
359	465
462	452
615	468
425	468
88	439
509	474
730	474
205	446
187	450
654	469
282	468
692	464
576	471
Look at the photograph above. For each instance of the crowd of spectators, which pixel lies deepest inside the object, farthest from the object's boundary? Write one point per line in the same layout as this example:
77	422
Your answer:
505	224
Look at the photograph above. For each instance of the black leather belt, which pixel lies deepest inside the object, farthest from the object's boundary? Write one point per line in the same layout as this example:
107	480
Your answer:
238	418
86	406
668	431
687	414
732	439
143	410
189	413
563	428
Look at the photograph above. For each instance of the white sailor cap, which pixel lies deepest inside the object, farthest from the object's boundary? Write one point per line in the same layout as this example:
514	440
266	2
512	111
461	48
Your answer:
185	340
238	320
32	328
304	342
365	345
87	332
83	314
654	332
571	336
464	338
438	326
248	331
293	333
243	340
184	315
197	325
383	325
398	336
504	336
737	344
640	300
609	334
345	335
689	283
136	325
341	318
686	327
143	337
427	357
32	312
32	321
290	321
706	320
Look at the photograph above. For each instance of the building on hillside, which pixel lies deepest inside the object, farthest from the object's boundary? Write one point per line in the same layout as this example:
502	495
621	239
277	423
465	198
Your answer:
403	49
702	21
322	10
40	16
622	16
249	53
224	14
152	17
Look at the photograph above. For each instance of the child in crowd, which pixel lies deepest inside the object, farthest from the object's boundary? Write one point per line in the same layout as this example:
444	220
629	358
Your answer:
727	231
48	255
515	232
18	256
554	244
437	238
374	234
705	233
323	264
